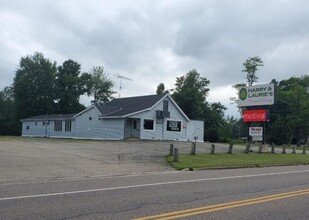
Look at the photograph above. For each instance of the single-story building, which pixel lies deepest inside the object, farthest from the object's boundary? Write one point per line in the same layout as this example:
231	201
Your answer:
152	117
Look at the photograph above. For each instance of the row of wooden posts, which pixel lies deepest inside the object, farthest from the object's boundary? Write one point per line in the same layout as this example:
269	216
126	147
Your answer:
174	151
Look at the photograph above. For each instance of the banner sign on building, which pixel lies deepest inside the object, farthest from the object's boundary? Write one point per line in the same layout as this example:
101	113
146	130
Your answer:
256	133
255	115
256	95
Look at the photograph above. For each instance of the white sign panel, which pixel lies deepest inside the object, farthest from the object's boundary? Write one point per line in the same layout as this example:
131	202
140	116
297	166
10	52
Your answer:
256	133
256	95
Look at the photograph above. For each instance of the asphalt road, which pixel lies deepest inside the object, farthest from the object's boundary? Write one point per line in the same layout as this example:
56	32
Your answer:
262	193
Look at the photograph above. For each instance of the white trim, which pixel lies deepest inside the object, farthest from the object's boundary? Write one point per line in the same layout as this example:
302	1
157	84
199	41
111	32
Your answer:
149	119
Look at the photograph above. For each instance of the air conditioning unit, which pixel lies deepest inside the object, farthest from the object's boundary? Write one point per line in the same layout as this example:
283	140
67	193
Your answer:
162	114
166	114
159	114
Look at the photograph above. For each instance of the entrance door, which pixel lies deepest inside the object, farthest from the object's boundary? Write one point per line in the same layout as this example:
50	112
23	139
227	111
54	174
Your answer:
135	128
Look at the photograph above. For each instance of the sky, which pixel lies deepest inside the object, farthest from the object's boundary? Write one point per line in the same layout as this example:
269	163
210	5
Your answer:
150	42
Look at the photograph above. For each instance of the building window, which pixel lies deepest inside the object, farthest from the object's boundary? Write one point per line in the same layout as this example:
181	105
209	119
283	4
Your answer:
90	118
58	126
27	127
148	124
36	123
43	123
173	126
68	125
165	106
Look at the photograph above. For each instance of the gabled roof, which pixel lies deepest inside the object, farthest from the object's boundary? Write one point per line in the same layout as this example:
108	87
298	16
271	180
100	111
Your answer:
126	106
117	108
49	117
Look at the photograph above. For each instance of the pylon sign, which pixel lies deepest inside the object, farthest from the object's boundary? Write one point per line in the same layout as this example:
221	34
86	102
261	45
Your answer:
256	95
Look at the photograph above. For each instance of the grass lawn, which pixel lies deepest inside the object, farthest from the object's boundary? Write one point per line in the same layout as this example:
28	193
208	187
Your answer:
236	160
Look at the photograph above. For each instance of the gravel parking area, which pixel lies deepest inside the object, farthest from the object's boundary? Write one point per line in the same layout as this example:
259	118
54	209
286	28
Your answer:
39	159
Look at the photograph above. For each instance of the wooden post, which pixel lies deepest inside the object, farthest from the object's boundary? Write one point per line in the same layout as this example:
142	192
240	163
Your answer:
247	147
284	149
273	148
213	149
175	158
231	148
171	149
193	147
260	148
294	149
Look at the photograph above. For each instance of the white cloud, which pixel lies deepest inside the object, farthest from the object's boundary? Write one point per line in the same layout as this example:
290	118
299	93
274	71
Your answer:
156	41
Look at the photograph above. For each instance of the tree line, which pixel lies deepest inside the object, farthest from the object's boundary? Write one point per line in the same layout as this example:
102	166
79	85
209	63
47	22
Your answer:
40	87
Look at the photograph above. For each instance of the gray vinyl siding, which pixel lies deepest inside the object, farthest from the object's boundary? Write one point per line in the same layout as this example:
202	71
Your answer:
160	132
110	129
34	130
47	130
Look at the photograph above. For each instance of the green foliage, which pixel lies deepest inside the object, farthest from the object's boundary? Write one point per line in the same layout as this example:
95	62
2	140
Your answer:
211	134
161	89
190	94
290	113
40	88
99	86
8	122
250	67
69	87
33	86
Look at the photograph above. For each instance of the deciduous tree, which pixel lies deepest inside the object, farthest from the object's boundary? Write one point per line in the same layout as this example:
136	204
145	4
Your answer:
33	86
190	93
99	86
69	87
250	67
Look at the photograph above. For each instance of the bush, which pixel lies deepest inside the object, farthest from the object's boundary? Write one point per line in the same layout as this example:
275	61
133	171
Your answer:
211	135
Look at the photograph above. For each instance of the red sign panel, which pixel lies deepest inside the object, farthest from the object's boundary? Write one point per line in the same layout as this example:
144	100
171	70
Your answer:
255	115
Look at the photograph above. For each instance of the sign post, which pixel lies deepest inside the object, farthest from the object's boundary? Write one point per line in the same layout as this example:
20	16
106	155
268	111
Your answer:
253	98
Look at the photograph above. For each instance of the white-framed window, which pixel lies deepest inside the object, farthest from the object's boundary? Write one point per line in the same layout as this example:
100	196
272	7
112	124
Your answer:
58	125
173	125
27	127
36	123
148	125
68	125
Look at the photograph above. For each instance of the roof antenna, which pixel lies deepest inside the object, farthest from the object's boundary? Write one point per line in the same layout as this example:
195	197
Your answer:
120	82
120	77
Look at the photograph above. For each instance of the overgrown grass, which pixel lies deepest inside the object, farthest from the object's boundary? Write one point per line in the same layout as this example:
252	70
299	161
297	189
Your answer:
236	160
